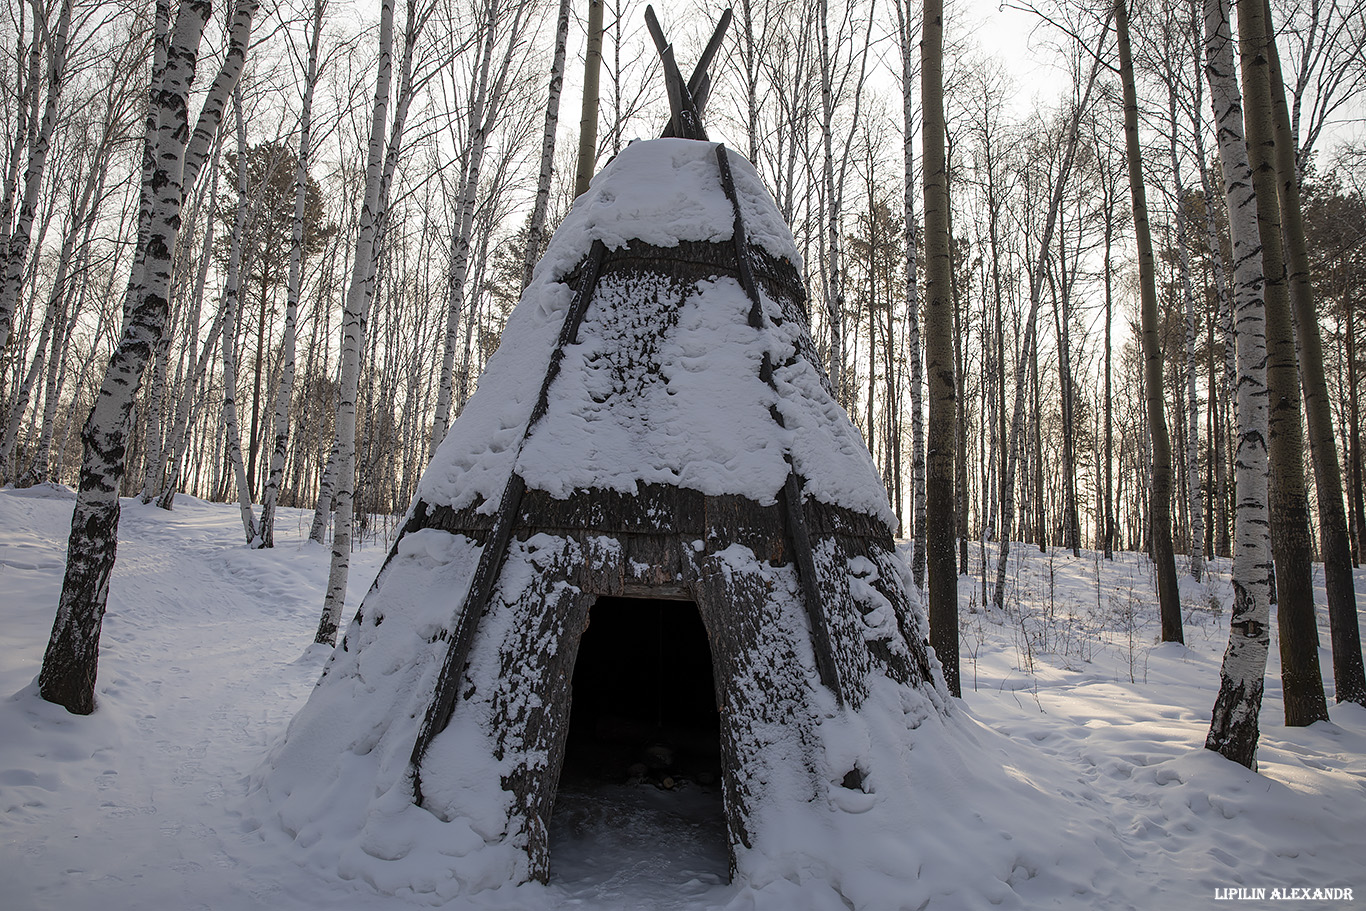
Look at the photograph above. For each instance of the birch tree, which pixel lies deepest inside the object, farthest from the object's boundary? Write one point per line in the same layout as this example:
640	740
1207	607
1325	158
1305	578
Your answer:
26	95
1109	182
1062	314
536	225
1233	726
322	510
1171	70
352	320
82	207
843	67
488	94
16	254
833	277
197	361
1223	317
70	662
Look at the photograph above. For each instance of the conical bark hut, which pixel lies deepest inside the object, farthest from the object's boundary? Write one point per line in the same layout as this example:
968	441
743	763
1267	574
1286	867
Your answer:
655	425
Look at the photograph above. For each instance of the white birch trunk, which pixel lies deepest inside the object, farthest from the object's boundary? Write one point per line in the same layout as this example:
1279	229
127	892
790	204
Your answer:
1233	728
79	225
37	471
1223	320
41	469
16	253
351	338
1224	314
220	92
1071	524
482	116
26	95
160	50
70	663
193	395
749	55
25	390
153	441
328	501
1223	307
206	131
362	285
834	293
1194	478
536	228
403	99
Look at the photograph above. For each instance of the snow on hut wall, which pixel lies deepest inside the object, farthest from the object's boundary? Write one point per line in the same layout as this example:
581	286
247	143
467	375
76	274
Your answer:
338	785
695	414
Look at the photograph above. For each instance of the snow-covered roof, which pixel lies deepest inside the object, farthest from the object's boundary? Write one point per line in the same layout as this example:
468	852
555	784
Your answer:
663	384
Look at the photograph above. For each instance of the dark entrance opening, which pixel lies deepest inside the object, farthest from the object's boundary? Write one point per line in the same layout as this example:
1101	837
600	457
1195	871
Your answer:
639	795
644	705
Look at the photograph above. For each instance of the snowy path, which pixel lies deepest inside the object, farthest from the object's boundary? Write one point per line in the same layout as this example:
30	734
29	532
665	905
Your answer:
206	656
134	806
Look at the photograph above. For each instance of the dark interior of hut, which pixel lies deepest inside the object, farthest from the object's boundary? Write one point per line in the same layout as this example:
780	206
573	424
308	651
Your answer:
644	705
641	781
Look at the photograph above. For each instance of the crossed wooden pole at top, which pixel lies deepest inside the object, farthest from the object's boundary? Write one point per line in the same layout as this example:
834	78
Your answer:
687	100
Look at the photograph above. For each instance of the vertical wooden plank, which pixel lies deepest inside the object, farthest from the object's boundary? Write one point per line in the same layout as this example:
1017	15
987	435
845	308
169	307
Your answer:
495	548
795	516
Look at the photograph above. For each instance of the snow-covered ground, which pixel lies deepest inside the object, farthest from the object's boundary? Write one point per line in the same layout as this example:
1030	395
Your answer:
1110	800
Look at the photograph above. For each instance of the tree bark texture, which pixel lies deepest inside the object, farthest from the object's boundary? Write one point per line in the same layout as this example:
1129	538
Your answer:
198	360
1194	495
1108	517
536	227
352	330
16	253
939	476
1291	542
1233	725
1160	492
907	44
483	117
71	660
1349	677
834	276
588	120
1222	316
27	94
322	509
